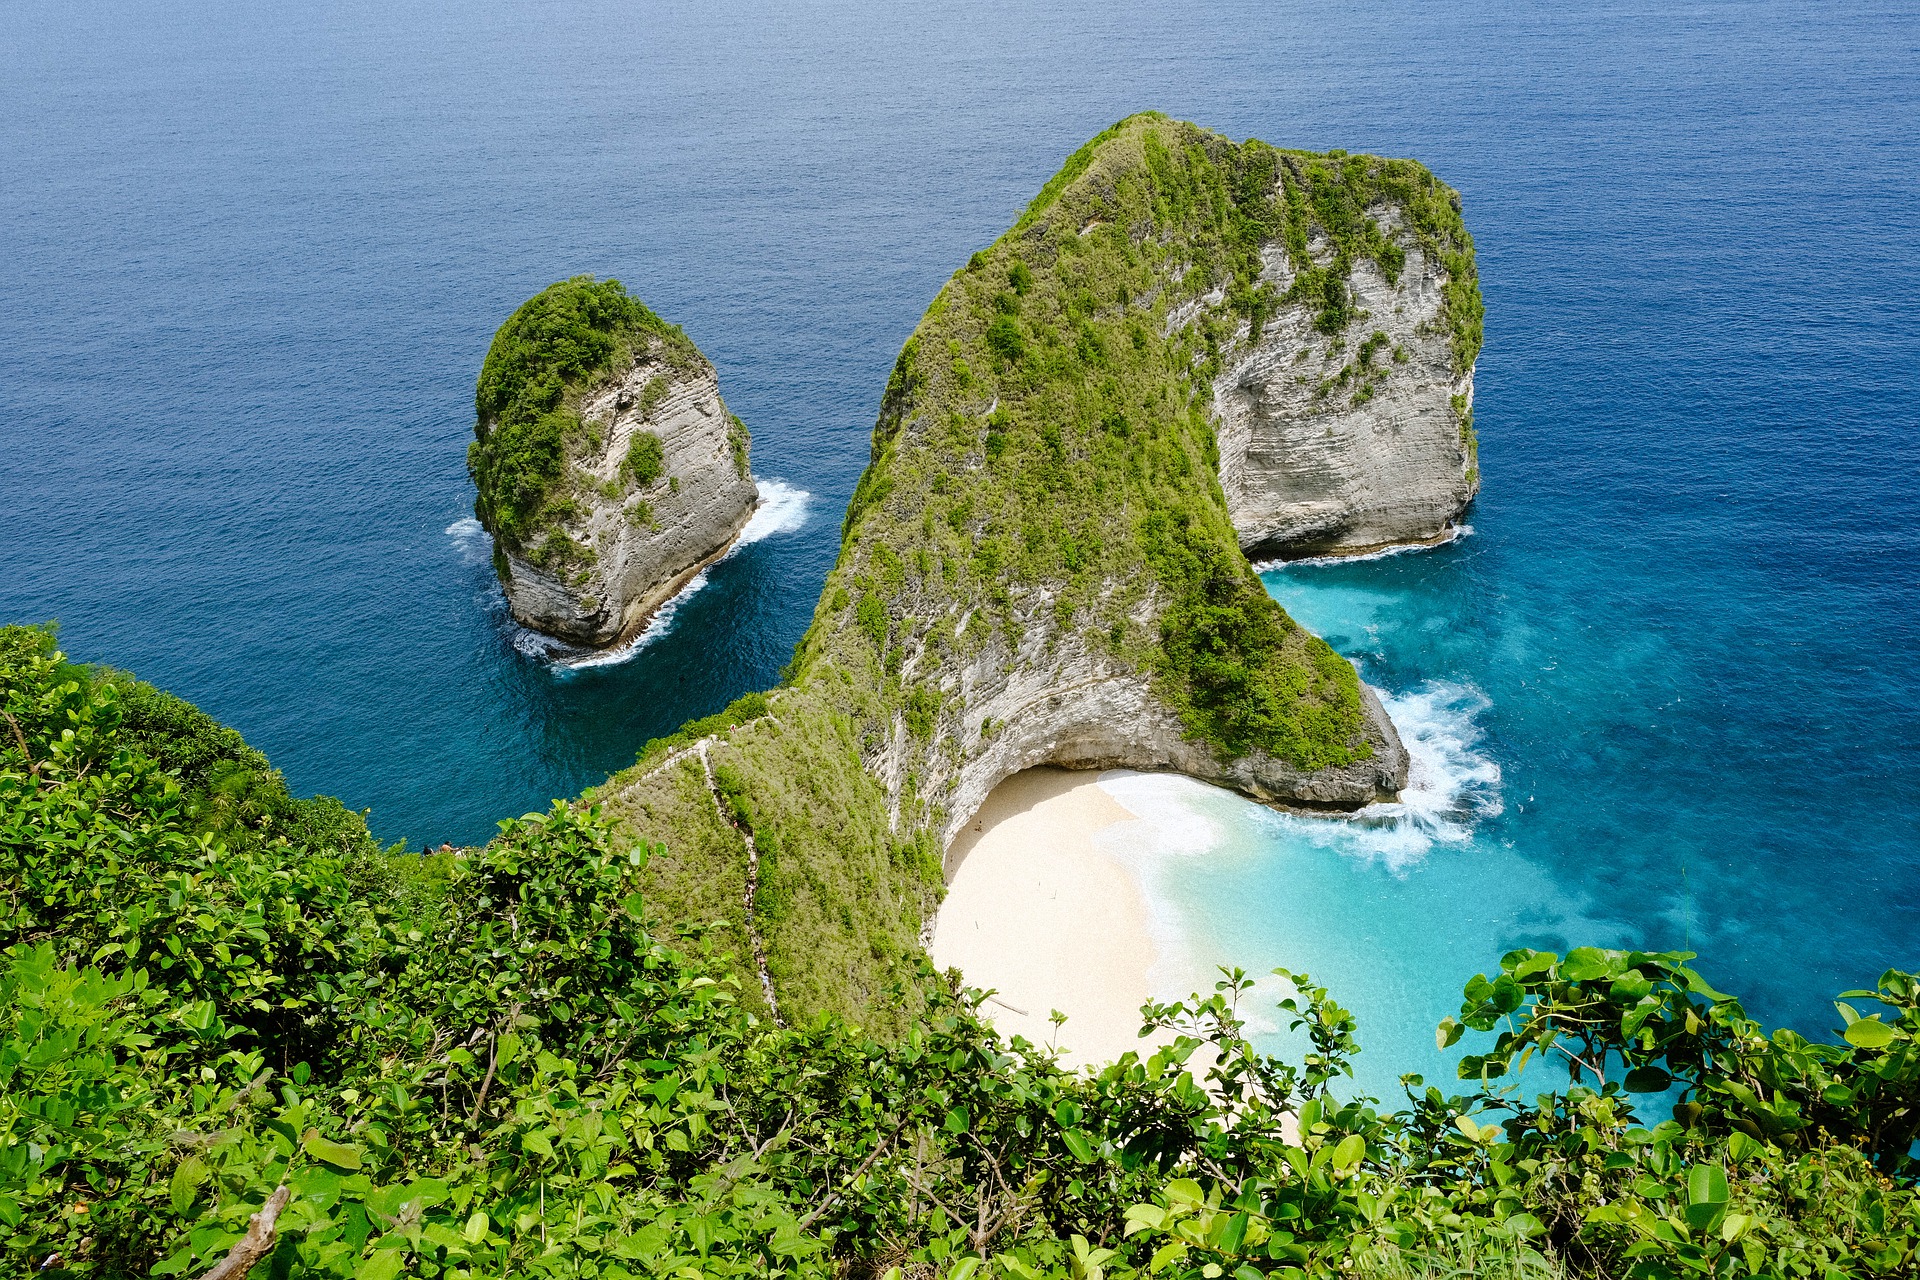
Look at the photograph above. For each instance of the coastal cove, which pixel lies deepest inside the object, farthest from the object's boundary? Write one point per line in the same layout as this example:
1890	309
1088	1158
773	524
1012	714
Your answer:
1294	653
1675	663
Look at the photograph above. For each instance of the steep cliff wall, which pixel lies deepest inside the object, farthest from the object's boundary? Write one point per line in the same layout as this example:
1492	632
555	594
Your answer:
608	467
1043	562
1350	442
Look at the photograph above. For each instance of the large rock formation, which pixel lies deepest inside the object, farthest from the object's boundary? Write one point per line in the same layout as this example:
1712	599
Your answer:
1184	347
643	479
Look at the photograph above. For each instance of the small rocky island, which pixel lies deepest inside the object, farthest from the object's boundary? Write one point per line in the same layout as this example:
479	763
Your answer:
608	469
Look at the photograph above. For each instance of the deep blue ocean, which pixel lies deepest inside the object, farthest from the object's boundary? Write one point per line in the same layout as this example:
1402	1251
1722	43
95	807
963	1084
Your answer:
1667	693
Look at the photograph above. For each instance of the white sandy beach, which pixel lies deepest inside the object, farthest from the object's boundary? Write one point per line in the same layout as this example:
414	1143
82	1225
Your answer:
1037	912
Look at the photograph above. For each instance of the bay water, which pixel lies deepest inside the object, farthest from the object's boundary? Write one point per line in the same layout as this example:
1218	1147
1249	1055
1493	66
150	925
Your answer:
1666	694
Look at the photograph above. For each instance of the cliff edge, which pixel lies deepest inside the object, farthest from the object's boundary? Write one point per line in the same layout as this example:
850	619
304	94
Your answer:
608	468
1185	346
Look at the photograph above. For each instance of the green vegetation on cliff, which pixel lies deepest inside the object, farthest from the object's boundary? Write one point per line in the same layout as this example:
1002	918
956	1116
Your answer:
1044	473
1047	428
500	1064
565	340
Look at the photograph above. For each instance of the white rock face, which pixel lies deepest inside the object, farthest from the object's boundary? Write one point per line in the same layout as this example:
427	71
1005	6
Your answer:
1314	466
648	540
1060	704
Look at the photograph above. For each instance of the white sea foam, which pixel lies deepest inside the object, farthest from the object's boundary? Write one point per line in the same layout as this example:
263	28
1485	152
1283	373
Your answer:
470	540
1451	536
1452	783
782	509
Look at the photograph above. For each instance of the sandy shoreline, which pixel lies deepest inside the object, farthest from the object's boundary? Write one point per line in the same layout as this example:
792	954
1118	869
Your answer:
1036	911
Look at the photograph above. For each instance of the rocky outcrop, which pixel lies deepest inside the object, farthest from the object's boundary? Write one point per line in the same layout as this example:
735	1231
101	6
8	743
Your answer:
660	490
1069	705
1349	444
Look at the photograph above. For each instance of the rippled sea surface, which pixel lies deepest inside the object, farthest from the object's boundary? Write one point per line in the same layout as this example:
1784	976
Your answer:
1667	693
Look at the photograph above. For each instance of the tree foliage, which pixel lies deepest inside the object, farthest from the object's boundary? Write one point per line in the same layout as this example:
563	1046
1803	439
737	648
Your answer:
496	1064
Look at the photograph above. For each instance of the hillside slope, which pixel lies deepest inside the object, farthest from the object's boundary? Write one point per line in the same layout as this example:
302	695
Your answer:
1040	564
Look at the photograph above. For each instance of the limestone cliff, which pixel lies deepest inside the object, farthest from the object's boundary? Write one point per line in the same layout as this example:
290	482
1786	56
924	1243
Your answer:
609	468
1349	443
1185	346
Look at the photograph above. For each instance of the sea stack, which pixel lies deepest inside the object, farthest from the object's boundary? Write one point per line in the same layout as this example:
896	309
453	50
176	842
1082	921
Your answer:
608	469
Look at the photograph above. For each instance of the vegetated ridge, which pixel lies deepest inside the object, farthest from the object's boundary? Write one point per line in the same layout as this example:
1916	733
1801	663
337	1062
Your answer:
236	1037
1040	564
607	468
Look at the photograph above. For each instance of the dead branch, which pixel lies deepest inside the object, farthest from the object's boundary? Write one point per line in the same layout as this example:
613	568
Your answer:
33	767
258	1241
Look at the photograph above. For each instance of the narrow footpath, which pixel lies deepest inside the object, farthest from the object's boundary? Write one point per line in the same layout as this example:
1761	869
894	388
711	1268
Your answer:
753	888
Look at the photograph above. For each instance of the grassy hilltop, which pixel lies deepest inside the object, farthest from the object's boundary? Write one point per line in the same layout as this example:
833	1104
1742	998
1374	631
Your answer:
683	1028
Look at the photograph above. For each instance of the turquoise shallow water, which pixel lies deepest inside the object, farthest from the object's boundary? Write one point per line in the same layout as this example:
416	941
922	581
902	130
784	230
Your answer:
250	259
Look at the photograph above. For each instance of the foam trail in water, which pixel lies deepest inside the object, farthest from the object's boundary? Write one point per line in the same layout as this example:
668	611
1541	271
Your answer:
470	539
1452	784
782	509
1450	537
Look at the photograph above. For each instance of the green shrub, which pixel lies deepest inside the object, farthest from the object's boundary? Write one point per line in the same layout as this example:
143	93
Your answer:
646	458
1005	340
652	395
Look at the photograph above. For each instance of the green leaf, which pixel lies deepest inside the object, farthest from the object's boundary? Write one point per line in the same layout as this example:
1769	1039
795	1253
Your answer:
1584	964
964	1268
1352	1149
338	1154
1145	1217
187	1177
476	1228
1537	962
1870	1033
1648	1079
1706	1184
1448	1033
1077	1143
957	1122
383	1265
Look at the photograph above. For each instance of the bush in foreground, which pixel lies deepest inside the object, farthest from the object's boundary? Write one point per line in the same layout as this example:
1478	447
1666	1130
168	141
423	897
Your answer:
494	1064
